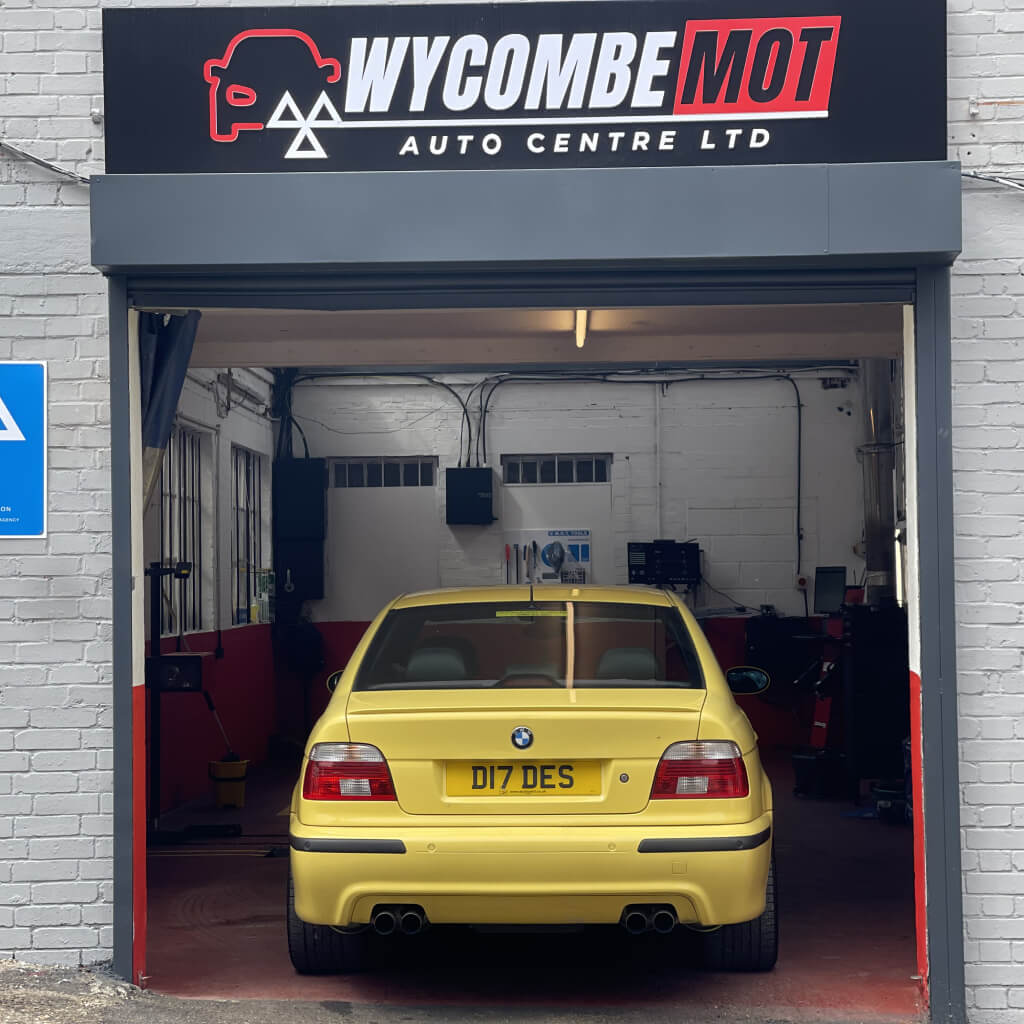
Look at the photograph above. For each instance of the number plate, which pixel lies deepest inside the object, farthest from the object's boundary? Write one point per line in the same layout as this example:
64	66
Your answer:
524	778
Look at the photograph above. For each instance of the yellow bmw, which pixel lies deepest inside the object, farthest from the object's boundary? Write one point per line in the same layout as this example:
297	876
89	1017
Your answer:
533	756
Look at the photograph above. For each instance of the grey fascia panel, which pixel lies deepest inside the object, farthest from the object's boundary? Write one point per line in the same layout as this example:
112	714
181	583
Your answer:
329	220
872	210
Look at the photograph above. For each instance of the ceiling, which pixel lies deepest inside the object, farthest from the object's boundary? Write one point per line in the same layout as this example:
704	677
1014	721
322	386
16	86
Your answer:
506	338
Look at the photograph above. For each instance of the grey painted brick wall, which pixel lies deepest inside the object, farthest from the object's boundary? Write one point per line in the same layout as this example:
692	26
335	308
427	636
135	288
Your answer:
55	693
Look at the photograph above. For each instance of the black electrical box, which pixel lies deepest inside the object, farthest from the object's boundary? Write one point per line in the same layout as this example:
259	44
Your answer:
664	562
469	495
299	570
300	500
175	673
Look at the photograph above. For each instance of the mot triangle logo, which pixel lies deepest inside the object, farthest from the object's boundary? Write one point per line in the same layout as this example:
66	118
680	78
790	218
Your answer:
9	430
305	145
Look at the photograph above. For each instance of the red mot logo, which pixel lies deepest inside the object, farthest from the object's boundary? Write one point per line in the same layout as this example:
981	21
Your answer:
764	67
235	101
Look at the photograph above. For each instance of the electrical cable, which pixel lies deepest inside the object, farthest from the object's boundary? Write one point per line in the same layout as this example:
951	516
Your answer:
466	421
40	162
695	378
728	597
995	179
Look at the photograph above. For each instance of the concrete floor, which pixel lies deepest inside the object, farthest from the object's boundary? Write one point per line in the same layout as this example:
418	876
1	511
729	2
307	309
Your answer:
847	948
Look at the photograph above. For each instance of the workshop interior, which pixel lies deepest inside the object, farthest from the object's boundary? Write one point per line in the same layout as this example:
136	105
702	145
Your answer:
753	460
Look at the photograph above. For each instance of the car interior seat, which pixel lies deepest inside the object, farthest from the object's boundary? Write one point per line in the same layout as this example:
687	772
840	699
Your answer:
434	664
627	663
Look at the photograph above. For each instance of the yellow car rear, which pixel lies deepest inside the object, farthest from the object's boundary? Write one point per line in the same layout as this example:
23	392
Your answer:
554	756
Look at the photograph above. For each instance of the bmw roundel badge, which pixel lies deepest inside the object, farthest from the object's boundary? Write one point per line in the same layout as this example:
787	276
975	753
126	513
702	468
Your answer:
522	737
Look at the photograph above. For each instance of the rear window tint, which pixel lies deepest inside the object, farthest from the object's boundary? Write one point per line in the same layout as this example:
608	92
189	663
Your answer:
521	646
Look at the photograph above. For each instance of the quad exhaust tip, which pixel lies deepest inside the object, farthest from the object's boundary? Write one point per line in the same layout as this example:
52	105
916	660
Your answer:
408	920
638	918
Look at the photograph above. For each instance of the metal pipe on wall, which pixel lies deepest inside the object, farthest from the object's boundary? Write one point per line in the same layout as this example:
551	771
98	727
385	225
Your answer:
877	458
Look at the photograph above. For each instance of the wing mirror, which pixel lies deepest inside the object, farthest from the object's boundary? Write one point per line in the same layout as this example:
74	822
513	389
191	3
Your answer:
333	679
745	679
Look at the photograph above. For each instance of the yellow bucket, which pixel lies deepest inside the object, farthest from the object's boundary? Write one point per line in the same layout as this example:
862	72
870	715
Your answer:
229	782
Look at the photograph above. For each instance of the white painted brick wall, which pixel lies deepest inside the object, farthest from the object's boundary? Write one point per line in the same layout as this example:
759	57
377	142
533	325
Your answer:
986	132
52	306
728	464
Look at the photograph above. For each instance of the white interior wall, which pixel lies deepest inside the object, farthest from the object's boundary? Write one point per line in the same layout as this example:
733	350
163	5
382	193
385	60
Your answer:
204	409
727	458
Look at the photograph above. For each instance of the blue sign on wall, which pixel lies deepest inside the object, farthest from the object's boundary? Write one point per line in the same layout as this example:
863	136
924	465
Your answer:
22	450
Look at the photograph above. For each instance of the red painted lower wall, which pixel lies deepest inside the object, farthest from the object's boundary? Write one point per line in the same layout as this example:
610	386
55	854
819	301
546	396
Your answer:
241	685
255	702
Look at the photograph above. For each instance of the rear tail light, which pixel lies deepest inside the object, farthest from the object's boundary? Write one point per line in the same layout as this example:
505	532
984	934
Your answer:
702	768
347	771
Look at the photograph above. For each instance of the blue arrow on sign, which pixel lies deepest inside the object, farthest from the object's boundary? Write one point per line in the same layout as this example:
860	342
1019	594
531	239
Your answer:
22	450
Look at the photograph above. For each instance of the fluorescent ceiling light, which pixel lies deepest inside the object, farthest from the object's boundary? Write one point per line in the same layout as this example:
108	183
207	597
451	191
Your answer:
581	327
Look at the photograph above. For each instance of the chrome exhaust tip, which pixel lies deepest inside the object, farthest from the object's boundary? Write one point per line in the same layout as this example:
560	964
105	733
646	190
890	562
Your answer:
411	922
635	922
384	922
663	921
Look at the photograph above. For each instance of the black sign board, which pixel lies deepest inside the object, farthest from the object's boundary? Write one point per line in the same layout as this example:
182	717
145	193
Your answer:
559	84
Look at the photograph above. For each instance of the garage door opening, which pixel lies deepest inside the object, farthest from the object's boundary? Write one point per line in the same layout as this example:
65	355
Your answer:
766	442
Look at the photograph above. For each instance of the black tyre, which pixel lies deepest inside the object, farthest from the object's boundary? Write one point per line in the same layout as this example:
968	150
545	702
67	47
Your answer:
319	949
750	946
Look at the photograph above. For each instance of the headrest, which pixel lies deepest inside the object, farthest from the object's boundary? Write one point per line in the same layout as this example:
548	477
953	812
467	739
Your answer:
628	663
434	664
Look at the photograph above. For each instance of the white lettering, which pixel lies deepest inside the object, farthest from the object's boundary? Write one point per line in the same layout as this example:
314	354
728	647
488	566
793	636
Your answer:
438	144
705	140
641	140
373	77
667	142
616	138
535	142
461	91
507	72
733	134
554	76
652	67
588	142
491	144
426	59
409	147
612	74
464	141
561	143
759	138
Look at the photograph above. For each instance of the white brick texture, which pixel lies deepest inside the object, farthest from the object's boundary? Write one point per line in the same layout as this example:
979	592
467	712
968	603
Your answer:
55	685
986	133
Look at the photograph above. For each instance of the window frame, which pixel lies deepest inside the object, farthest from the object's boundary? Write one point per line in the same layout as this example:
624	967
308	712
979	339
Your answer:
516	468
377	466
182	535
247	482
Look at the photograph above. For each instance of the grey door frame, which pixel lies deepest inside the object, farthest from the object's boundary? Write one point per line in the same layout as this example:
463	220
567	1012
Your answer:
931	293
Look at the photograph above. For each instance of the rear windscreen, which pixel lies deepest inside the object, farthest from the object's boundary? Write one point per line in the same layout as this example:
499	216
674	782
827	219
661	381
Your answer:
521	646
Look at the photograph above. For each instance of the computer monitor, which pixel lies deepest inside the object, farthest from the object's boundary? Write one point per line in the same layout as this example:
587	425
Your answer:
829	589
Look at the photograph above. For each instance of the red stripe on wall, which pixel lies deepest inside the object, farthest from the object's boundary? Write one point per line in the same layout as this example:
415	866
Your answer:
917	782
139	790
242	685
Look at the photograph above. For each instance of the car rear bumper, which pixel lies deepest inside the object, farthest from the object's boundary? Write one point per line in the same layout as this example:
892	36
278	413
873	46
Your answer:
478	875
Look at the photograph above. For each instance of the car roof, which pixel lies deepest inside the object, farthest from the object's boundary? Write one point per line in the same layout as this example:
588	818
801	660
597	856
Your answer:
540	592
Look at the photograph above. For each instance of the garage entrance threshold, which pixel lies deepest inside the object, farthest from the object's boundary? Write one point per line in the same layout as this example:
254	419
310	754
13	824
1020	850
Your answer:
847	953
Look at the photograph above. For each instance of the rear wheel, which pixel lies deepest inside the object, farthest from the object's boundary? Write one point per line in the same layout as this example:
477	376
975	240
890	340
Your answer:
750	946
319	949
